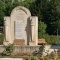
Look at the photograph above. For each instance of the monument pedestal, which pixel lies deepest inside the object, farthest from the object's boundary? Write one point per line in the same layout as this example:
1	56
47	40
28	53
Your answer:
19	42
32	43
6	43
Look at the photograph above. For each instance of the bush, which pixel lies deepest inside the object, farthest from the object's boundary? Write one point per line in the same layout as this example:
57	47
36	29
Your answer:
58	52
52	39
39	52
8	50
1	38
32	58
47	38
41	29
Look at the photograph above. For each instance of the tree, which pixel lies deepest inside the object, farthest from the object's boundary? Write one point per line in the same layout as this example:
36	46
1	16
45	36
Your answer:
1	12
6	7
58	9
35	9
10	4
47	12
51	17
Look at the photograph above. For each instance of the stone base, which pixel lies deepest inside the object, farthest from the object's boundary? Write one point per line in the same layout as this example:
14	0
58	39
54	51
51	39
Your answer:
25	49
22	49
19	42
32	43
6	43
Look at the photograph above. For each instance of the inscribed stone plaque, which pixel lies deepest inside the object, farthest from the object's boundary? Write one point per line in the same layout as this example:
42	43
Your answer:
19	29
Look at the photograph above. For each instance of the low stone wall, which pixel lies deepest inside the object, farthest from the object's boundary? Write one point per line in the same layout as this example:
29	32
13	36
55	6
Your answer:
22	49
1	48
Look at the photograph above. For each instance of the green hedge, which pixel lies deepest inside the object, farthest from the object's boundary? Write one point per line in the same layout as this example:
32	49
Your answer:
52	39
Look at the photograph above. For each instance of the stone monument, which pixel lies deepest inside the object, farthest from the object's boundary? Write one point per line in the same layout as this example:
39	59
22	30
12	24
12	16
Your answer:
21	28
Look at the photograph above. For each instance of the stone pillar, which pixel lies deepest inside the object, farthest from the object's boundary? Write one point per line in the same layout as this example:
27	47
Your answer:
6	30
34	30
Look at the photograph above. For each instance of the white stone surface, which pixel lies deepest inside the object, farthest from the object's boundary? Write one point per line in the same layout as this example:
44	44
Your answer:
20	13
49	50
21	25
34	30
7	28
11	58
19	29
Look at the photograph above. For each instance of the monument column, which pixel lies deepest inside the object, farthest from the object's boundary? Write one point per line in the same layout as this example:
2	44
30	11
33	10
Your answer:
32	29
6	30
32	42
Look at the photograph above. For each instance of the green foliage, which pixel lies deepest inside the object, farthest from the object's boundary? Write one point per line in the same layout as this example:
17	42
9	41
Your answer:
26	3
52	39
1	38
31	58
41	29
58	52
10	4
47	38
35	9
1	12
47	12
39	52
41	49
51	16
8	7
8	50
